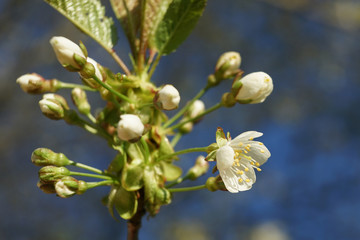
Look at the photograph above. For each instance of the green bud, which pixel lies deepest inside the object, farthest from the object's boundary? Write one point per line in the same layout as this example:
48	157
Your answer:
45	157
80	100
69	186
228	100
187	127
215	183
200	168
88	71
52	173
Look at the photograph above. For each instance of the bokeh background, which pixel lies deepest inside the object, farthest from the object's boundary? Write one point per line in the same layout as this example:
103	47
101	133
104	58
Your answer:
310	187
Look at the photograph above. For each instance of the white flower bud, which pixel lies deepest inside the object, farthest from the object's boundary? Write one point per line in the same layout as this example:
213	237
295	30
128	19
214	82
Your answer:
130	128
196	109
31	82
168	97
255	87
65	50
51	109
62	190
228	64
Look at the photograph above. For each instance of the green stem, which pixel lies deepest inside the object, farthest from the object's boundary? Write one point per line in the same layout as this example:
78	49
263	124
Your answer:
91	117
90	175
186	189
83	166
185	108
102	183
176	139
93	129
189	150
71	85
177	181
113	91
146	150
154	65
209	110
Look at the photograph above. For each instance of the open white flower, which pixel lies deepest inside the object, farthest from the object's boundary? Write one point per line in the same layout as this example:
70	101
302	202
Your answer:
238	158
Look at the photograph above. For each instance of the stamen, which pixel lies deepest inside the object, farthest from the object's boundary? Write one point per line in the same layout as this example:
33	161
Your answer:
251	138
241	143
259	169
247	180
240	180
246	169
245	151
247	148
257	164
260	143
262	151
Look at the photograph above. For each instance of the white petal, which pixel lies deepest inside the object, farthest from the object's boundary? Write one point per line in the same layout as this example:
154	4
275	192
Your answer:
225	157
245	136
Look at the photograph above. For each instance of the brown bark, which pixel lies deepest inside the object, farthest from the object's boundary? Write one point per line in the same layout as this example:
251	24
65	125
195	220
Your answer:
134	224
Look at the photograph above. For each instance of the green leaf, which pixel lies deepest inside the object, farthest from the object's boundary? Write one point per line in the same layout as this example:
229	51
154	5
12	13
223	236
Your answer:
128	12
220	137
179	20
125	203
171	172
132	175
153	14
89	17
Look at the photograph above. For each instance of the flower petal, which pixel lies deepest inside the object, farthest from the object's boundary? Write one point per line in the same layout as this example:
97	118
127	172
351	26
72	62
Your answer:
245	136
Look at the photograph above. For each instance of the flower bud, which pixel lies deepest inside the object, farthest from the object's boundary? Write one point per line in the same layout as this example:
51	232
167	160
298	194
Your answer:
197	108
53	106
69	186
80	100
215	183
91	68
52	173
46	187
187	127
66	187
34	83
45	157
130	128
167	98
69	54
200	168
253	88
227	65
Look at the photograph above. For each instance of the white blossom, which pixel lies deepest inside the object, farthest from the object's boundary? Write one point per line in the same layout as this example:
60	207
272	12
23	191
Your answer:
130	127
65	50
168	97
238	158
255	87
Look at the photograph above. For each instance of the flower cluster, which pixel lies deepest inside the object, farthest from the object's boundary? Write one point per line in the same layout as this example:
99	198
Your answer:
135	125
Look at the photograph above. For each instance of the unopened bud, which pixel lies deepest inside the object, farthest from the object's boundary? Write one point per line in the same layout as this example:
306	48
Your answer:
80	100
228	100
253	88
130	128
200	168
45	157
168	98
53	106
52	173
69	54
91	68
34	83
187	127
227	65
215	183
46	187
197	108
69	186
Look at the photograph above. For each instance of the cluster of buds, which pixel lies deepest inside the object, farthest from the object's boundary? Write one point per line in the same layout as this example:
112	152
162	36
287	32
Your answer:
134	124
53	176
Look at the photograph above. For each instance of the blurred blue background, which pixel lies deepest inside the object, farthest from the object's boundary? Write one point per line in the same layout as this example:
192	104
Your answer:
309	188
